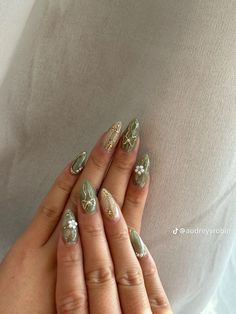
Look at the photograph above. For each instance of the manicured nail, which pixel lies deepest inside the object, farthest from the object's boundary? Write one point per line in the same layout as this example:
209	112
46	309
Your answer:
141	171
112	136
78	163
109	205
130	136
69	227
88	197
137	243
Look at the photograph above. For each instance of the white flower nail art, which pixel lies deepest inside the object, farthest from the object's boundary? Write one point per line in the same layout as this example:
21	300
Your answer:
72	224
139	169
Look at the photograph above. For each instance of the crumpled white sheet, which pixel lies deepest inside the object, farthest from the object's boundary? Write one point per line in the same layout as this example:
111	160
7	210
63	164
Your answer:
69	69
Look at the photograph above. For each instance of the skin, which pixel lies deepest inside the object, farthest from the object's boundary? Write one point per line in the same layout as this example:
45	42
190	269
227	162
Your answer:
28	273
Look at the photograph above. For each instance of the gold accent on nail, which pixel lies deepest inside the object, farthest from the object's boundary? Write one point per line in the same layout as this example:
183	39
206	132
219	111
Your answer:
78	163
109	205
88	197
130	136
112	136
137	243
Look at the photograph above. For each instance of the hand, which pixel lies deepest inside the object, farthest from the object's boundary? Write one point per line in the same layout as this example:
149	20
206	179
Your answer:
28	272
99	272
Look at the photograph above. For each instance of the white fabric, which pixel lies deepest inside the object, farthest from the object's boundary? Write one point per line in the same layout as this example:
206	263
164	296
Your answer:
69	69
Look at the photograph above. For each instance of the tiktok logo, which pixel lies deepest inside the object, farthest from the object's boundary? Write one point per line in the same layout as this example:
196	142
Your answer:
175	231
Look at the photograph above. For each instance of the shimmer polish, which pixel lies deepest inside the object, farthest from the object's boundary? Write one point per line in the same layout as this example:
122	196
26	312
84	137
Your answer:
69	227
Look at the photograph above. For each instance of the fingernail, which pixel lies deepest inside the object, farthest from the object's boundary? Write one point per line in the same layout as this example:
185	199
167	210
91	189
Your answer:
78	163
137	243
112	136
141	171
88	197
109	205
69	227
130	136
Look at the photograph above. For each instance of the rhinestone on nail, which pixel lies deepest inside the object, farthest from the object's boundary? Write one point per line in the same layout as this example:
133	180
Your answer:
72	224
139	169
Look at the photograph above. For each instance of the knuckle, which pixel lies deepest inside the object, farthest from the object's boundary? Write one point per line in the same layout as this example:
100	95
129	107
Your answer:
73	301
52	212
95	230
133	201
98	162
159	305
120	236
130	277
123	164
99	276
71	259
150	272
63	185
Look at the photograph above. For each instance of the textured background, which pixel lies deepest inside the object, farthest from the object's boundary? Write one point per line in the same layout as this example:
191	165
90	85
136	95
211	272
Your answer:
69	69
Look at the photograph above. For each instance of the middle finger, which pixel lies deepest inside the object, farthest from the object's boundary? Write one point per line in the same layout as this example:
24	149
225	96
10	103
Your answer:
98	266
118	175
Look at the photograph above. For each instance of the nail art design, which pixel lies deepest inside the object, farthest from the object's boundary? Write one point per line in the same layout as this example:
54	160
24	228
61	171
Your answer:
130	136
112	136
137	243
109	205
141	171
78	163
88	197
69	227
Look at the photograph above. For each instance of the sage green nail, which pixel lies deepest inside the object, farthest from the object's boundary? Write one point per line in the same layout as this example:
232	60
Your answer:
69	227
137	243
141	171
130	136
88	197
78	163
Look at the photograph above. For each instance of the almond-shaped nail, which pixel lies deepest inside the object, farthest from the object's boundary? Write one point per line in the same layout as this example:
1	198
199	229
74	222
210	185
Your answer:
109	205
87	197
112	136
141	171
69	227
78	163
137	243
130	136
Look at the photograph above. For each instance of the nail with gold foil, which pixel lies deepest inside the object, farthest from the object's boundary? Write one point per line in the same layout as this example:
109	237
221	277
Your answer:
112	136
78	163
109	205
141	171
69	227
137	243
88	197
130	136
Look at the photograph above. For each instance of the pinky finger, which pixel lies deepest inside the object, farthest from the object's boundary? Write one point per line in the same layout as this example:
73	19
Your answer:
157	297
71	295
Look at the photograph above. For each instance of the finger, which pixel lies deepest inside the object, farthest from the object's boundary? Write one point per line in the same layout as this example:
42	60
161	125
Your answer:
95	169
129	278
98	267
136	193
117	177
71	295
157	297
50	209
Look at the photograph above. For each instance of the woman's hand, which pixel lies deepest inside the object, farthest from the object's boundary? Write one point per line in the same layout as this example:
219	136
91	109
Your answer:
28	272
104	266
99	272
